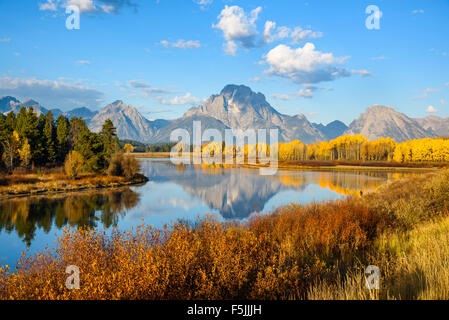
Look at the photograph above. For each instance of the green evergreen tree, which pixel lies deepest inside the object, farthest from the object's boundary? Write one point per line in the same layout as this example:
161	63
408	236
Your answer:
62	137
90	146
10	121
49	136
109	140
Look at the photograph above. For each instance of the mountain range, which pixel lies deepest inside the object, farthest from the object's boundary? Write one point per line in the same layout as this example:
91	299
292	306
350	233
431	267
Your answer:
238	107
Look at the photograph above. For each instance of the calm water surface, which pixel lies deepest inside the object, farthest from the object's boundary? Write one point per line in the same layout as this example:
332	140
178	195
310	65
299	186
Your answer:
173	193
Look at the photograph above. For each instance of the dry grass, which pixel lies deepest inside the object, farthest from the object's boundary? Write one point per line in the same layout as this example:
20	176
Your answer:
42	183
317	251
417	268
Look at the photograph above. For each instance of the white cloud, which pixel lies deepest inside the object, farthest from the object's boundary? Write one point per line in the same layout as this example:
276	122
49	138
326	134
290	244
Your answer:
426	92
431	109
304	65
271	33
50	5
230	48
307	92
182	44
237	26
362	73
146	89
83	62
5	40
52	94
378	58
83	5
203	3
299	35
97	6
182	100
255	79
108	8
416	11
443	102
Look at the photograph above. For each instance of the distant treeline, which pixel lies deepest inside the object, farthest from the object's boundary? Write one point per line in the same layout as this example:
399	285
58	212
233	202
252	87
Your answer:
28	140
145	147
348	147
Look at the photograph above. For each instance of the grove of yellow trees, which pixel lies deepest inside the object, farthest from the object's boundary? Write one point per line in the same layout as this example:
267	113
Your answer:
356	148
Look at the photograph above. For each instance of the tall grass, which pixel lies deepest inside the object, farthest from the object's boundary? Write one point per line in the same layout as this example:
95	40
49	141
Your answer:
299	252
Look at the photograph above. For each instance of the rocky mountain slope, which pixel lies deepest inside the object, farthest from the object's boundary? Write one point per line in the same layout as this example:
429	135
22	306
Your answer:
238	107
380	121
129	122
440	126
332	130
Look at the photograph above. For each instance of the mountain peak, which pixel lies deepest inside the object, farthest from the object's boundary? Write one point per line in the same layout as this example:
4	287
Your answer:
31	103
232	88
380	108
117	103
382	122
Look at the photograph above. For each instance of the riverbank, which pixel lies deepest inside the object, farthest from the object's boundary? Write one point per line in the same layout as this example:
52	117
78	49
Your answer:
316	251
24	185
319	165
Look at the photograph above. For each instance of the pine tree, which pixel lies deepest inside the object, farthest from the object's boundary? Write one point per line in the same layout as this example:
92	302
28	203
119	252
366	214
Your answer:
109	139
49	135
62	137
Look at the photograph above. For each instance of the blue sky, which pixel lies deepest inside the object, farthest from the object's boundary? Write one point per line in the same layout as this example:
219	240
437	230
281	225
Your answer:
312	57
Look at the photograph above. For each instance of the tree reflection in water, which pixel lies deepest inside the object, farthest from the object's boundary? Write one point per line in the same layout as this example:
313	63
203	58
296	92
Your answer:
26	215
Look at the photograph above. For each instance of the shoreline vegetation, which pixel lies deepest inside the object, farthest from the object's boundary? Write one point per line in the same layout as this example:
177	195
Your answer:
312	164
24	185
41	155
315	251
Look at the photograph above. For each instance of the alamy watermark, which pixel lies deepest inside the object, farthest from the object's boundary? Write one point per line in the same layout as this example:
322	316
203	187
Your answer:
372	22
236	145
73	20
73	281
372	279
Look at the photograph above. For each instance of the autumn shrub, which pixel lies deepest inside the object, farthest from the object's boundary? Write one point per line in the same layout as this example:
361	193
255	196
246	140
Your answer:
123	166
74	164
115	165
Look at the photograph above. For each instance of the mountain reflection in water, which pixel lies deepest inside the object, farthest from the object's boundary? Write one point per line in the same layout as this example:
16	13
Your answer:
174	192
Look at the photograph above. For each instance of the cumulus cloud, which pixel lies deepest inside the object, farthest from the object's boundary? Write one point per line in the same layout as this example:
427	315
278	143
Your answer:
431	109
304	65
88	6
297	35
416	11
182	100
52	94
182	44
238	27
307	92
